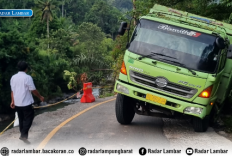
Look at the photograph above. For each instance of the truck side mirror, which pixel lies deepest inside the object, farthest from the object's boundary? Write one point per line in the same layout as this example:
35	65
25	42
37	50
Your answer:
122	28
220	43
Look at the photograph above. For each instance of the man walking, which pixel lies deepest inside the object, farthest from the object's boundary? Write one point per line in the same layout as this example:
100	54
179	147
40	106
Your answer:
21	87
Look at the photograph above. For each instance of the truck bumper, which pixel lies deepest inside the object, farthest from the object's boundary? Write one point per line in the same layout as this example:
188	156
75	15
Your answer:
172	103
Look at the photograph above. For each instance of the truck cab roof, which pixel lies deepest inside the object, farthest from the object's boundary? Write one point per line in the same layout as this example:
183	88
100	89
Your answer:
222	28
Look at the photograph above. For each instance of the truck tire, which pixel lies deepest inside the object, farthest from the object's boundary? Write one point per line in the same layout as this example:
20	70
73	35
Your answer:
124	109
200	125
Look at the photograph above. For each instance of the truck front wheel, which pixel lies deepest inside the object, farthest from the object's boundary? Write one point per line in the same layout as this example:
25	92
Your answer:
200	125
124	109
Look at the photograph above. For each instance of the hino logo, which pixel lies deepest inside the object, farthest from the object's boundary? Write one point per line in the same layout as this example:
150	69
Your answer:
180	31
161	82
137	69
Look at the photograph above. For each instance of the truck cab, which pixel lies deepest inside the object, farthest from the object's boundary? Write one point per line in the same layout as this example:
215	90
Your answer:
176	65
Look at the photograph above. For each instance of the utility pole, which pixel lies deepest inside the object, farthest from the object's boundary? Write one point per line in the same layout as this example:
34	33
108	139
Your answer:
134	11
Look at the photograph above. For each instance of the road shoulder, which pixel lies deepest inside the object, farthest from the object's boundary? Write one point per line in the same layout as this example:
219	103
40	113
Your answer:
181	136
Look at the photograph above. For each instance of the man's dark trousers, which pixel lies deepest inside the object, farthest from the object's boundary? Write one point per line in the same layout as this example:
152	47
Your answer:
26	116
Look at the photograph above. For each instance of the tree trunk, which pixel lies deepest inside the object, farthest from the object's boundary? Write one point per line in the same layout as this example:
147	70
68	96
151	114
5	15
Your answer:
134	10
48	29
63	10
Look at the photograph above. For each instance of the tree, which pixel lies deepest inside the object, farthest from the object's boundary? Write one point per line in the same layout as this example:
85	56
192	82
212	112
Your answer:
13	49
63	2
227	2
122	5
77	10
105	16
90	36
47	9
27	39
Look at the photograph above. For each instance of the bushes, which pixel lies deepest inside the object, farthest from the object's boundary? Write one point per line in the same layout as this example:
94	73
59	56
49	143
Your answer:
47	65
13	49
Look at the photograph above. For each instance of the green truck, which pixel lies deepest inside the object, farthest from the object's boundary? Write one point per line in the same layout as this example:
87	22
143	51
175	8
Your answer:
177	65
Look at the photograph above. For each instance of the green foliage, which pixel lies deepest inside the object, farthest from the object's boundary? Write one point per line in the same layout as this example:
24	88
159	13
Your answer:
46	72
93	52
71	78
12	49
105	16
106	95
90	36
77	10
46	9
118	54
75	44
205	8
122	5
228	2
119	51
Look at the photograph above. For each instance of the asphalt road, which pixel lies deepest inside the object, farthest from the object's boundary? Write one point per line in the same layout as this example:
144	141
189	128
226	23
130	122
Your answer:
98	128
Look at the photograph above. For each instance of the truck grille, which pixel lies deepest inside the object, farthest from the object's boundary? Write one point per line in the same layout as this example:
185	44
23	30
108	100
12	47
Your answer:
170	87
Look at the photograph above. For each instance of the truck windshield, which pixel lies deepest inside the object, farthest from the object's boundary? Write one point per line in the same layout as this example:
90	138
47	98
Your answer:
198	51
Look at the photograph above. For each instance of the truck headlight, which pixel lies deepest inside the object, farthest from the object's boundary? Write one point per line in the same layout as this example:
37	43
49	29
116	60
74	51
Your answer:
193	110
122	89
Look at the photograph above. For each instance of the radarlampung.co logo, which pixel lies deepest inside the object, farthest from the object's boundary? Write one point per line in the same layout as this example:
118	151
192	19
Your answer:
180	31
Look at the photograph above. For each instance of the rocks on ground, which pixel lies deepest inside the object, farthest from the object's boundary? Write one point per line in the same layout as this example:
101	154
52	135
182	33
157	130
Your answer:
60	98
